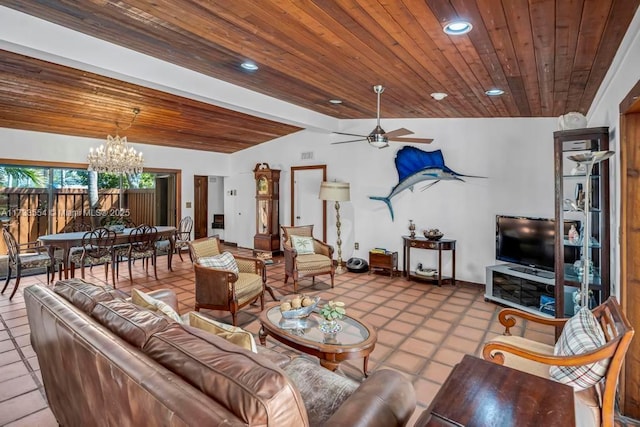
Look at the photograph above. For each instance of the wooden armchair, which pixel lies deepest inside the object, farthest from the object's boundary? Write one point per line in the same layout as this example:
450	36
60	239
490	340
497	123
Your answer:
298	265
537	358
220	288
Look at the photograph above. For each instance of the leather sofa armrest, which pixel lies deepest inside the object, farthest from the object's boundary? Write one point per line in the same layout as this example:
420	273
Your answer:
385	399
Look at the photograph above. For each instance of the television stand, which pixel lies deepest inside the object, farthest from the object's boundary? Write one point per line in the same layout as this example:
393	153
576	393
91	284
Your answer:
533	271
521	287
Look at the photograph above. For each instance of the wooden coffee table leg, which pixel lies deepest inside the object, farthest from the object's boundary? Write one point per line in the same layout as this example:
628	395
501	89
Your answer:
365	366
332	366
262	335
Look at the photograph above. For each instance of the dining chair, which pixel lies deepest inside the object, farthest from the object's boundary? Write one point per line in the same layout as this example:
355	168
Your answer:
21	256
183	235
142	245
97	249
72	227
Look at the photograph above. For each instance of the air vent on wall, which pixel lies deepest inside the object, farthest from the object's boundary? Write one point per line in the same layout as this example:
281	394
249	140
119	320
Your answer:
307	155
213	179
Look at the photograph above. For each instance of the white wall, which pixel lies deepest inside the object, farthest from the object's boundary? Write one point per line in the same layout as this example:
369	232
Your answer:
515	156
605	111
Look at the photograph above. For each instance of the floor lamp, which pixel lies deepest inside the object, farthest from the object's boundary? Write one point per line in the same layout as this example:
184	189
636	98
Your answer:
337	192
588	160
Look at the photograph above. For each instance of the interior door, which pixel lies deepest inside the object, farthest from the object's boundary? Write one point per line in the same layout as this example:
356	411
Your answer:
630	245
306	207
201	201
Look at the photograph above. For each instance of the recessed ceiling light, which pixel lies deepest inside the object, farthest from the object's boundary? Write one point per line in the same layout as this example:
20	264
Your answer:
249	66
439	96
494	92
335	101
456	28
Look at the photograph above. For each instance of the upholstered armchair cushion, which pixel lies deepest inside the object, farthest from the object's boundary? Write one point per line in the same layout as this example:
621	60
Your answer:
302	244
247	287
314	263
581	334
224	261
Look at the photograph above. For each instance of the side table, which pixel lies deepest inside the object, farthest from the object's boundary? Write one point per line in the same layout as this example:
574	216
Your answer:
434	245
387	262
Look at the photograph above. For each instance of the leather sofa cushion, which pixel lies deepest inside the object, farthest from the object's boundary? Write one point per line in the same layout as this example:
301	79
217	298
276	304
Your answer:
130	322
251	387
85	295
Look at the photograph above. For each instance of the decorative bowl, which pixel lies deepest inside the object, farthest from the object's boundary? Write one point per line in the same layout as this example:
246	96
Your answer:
433	234
302	312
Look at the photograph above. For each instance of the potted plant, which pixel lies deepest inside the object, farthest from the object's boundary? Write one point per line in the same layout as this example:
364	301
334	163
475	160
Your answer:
332	312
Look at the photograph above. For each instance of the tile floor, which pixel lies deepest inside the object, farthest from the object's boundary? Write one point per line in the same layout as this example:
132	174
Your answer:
423	330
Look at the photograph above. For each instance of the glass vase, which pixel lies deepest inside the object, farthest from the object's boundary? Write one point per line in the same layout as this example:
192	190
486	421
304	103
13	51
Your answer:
330	326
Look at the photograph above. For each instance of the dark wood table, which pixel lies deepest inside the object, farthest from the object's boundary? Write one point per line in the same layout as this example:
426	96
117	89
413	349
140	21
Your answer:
66	241
356	339
433	245
479	393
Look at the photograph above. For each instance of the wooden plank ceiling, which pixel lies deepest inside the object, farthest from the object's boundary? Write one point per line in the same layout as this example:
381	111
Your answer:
549	56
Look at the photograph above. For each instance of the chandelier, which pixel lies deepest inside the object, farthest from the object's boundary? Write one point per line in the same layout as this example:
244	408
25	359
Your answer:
117	157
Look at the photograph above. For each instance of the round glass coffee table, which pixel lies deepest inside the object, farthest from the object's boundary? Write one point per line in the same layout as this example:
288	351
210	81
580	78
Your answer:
356	339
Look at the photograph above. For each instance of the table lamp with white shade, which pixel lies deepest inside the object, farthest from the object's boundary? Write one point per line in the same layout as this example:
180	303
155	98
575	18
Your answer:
337	192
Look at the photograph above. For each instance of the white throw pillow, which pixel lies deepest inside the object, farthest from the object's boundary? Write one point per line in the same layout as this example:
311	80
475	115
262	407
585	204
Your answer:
224	261
144	300
302	244
581	334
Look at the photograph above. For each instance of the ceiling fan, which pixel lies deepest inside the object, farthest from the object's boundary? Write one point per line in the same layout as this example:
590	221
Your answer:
378	137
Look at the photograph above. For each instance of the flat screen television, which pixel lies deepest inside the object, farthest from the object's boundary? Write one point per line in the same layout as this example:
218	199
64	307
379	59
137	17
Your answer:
528	242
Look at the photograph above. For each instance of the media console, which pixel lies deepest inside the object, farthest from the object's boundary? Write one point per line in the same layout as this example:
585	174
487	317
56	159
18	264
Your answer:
522	287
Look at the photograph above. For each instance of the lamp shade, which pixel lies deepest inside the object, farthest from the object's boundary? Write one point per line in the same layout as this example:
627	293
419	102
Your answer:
334	191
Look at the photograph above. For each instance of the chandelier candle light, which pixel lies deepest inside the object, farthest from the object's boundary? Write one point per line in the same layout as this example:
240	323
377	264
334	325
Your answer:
117	157
338	192
588	160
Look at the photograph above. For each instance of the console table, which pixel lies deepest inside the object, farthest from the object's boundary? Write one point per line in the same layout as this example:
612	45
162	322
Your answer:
481	393
434	245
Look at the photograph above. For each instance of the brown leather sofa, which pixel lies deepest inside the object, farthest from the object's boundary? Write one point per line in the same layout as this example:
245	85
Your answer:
105	361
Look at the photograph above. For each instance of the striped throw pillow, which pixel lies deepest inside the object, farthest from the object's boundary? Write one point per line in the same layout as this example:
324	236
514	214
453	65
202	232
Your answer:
581	334
224	261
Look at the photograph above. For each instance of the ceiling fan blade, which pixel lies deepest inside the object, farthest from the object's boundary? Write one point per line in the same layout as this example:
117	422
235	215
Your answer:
345	142
419	140
350	134
398	132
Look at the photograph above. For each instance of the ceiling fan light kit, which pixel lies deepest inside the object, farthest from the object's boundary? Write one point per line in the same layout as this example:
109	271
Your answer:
378	137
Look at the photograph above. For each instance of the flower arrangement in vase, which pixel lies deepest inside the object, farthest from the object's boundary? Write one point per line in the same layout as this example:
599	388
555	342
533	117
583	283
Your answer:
332	312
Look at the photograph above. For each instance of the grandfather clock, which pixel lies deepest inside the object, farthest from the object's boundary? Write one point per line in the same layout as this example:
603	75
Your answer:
267	236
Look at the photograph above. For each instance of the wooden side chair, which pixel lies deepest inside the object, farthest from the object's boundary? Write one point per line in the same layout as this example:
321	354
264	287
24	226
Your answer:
22	256
317	260
183	235
142	245
591	369
97	249
224	281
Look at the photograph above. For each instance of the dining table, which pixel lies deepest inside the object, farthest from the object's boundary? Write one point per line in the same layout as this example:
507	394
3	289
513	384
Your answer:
66	241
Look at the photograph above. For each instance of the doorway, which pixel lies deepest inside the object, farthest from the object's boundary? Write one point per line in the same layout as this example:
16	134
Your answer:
165	189
306	207
630	245
200	208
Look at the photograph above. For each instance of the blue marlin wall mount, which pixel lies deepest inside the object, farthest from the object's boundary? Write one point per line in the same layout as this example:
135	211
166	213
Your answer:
415	166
